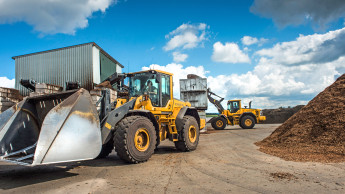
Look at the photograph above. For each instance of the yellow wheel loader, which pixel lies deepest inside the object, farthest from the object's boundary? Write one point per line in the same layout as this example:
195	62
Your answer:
67	126
245	117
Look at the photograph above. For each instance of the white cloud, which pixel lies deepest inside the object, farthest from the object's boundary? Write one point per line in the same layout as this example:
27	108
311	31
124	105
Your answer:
179	57
277	79
268	86
7	83
316	48
248	40
296	12
52	16
229	53
186	36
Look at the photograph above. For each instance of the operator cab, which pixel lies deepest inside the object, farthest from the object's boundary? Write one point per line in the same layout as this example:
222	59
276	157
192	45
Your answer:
234	105
154	83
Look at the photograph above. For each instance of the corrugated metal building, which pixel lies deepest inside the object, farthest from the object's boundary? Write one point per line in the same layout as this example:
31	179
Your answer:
86	63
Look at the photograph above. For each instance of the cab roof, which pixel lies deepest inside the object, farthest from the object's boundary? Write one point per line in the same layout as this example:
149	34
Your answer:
233	100
153	70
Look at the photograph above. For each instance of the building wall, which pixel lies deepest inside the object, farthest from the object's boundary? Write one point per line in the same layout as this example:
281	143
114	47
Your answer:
118	69
56	67
108	67
96	65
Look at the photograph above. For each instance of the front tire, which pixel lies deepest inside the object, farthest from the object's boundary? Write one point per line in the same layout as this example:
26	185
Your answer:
106	149
189	135
247	122
135	139
218	123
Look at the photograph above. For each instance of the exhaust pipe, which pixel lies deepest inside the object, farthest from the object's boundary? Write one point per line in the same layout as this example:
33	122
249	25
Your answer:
51	128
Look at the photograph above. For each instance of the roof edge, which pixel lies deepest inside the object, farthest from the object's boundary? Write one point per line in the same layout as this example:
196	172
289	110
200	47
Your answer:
106	54
78	45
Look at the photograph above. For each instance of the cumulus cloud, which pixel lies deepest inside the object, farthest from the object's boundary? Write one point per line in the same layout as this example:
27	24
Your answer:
229	53
316	49
179	57
296	12
53	16
7	83
296	69
248	40
277	79
186	36
268	86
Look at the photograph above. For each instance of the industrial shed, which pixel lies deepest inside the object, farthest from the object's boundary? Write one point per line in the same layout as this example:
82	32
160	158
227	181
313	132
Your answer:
86	63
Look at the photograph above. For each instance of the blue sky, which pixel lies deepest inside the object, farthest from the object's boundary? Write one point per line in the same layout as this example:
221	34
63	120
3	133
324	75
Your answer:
269	51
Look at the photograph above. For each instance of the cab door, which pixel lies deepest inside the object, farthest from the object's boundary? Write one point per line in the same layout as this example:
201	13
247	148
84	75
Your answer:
234	106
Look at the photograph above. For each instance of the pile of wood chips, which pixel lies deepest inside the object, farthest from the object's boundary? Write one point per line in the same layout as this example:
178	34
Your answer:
315	133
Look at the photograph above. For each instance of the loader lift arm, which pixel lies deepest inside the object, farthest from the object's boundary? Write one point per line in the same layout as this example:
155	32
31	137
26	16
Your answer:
118	79
28	83
216	103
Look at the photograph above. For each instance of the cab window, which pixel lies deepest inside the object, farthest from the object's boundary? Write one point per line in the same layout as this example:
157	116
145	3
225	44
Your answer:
165	89
234	106
145	83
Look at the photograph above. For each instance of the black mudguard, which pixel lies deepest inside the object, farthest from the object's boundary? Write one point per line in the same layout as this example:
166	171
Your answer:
108	124
211	120
149	115
186	111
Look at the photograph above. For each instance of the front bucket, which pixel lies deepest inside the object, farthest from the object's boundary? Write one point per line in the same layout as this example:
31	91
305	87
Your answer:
51	129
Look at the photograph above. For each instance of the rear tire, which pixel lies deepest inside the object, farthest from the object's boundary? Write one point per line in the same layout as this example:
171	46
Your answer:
247	122
135	139
189	135
218	123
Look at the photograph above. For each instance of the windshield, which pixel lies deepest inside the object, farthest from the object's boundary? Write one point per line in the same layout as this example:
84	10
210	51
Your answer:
233	106
144	83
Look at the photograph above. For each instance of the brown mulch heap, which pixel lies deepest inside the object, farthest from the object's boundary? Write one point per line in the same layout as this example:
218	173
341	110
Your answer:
280	115
315	133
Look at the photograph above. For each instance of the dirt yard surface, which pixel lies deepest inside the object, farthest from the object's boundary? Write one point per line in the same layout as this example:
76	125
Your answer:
225	161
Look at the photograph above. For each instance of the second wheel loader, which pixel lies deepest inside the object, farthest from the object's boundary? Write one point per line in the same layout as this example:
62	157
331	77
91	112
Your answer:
245	117
67	126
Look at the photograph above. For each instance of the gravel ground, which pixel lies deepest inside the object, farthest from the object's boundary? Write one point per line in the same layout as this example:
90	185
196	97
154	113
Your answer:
225	161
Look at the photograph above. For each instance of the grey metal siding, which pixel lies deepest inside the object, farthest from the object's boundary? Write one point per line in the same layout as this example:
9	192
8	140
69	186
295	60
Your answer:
56	67
195	92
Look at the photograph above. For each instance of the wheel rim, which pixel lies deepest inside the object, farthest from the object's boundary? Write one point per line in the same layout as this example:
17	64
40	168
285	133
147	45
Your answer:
192	134
142	139
248	122
219	123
